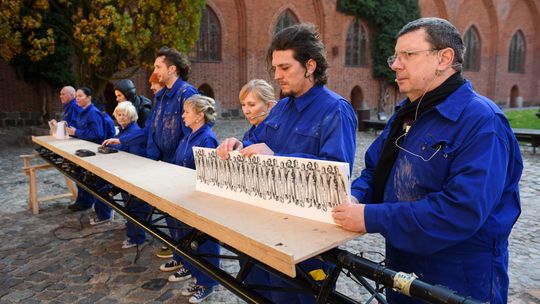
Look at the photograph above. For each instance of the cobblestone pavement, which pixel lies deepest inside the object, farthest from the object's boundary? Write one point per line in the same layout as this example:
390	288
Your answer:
57	257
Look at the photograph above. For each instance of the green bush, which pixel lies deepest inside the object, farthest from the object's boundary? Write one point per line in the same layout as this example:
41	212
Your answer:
385	18
523	119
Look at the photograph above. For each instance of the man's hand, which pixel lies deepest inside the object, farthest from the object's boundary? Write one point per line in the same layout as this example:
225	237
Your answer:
261	148
350	216
111	141
71	131
228	145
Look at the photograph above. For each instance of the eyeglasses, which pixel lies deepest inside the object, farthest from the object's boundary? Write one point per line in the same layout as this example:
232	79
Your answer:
405	55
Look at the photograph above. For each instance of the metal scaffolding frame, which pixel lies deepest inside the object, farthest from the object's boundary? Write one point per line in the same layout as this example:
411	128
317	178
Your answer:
324	291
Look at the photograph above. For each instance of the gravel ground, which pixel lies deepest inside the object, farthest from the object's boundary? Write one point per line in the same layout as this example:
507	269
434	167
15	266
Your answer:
56	257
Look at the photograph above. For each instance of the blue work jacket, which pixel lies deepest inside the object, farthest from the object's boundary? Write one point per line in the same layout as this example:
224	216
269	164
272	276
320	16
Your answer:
90	125
132	140
249	136
71	112
319	124
447	218
203	137
166	128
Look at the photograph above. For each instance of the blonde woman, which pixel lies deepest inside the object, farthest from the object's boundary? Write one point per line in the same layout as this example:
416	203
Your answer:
257	99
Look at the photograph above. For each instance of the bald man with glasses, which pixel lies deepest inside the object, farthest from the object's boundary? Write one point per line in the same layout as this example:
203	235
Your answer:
441	182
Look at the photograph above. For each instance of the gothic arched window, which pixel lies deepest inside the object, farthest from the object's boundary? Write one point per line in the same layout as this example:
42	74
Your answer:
516	54
471	39
208	46
356	45
286	19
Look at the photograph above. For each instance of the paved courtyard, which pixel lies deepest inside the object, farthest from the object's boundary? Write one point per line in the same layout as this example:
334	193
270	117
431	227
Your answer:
57	257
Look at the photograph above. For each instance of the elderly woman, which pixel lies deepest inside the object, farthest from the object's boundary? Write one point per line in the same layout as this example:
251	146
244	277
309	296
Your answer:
199	115
130	139
90	126
257	99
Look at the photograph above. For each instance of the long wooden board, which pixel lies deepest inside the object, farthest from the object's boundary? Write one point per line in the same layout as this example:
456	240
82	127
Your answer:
276	239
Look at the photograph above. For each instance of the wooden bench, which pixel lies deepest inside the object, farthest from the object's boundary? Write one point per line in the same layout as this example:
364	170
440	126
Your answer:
528	135
30	170
371	124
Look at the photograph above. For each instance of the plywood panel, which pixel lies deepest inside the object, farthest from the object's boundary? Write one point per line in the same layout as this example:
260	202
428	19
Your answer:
279	240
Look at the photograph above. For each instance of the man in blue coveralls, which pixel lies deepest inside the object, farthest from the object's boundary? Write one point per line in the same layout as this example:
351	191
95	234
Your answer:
165	129
69	103
310	121
441	181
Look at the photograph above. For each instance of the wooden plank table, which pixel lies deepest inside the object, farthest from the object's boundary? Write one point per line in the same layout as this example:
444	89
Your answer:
276	239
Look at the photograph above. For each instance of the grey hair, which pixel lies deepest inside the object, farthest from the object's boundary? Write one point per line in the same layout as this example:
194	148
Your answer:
441	34
260	88
203	104
128	108
69	89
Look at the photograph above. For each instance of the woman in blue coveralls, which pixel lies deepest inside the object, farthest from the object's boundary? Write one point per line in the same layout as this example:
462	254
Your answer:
91	127
130	139
199	115
257	99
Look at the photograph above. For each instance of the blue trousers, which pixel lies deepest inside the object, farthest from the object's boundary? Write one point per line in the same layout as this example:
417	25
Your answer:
176	234
84	198
208	247
103	211
258	276
140	209
87	200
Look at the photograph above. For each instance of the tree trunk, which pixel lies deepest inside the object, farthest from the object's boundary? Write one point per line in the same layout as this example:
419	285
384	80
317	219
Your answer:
383	96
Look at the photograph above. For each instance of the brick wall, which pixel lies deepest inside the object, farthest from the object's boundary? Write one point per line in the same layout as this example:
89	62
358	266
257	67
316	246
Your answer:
22	103
247	28
492	22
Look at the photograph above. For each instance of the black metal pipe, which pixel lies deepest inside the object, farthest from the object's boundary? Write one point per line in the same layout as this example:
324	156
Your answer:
404	283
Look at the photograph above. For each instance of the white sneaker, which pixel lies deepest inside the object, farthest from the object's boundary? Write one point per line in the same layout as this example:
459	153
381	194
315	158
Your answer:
201	294
96	221
191	289
171	265
181	275
128	244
